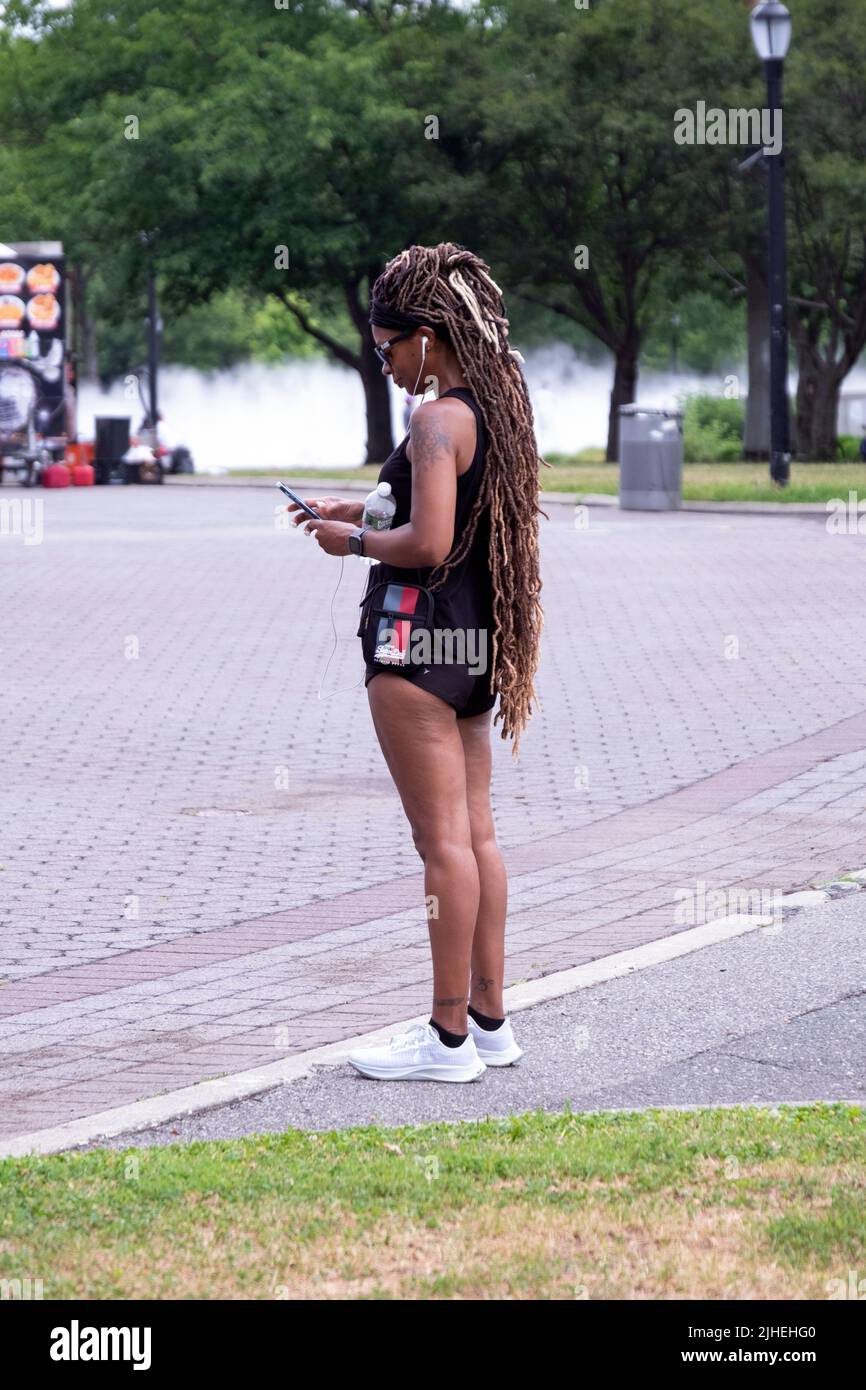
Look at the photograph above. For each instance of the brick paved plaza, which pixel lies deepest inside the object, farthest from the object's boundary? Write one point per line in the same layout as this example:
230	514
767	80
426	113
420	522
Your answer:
204	867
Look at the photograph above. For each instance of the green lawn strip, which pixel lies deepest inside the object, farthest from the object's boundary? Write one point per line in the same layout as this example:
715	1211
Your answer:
702	482
185	1220
723	482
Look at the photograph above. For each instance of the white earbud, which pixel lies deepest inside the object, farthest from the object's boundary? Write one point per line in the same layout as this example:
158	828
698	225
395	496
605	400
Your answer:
421	368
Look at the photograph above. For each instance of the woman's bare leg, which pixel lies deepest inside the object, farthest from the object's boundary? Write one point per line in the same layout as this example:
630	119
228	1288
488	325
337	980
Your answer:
488	944
418	735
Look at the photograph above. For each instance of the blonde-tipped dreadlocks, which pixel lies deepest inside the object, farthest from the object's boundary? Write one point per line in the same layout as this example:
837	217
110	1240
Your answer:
448	286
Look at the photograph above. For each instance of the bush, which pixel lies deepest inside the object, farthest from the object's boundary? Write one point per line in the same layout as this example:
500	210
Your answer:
713	429
848	448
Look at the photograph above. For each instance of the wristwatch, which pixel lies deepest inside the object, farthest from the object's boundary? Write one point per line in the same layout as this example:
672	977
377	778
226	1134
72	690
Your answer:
356	540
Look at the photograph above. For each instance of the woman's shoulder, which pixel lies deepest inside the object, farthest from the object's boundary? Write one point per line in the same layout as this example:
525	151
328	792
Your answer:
448	404
448	419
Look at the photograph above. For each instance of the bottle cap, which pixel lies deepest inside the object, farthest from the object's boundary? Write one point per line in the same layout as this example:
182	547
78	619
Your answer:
383	489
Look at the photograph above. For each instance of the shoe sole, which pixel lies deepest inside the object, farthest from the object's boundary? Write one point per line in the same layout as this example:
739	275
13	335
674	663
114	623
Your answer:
504	1057
428	1073
500	1059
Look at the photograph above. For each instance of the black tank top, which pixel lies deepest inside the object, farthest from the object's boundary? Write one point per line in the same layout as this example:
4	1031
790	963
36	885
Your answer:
465	596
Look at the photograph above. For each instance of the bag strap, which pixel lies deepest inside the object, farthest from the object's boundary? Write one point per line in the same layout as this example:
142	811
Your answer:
372	581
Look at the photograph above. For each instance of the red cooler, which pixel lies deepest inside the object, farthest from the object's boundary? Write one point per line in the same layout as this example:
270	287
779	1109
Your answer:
55	475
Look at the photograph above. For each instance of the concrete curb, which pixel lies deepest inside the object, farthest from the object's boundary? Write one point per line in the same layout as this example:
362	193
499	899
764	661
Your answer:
206	1095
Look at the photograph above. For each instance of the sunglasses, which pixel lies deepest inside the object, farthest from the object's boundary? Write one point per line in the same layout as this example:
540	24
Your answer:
382	349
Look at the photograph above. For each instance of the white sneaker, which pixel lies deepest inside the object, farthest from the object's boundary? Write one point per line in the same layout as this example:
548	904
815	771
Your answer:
496	1047
419	1055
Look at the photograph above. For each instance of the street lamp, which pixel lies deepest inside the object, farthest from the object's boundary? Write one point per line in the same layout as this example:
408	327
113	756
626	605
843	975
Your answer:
771	30
154	326
771	34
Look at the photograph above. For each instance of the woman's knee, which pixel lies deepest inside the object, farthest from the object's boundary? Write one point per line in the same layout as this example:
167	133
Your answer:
418	838
485	846
441	841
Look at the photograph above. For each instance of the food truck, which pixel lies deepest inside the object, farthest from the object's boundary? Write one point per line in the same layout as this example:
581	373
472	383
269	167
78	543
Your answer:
39	438
37	384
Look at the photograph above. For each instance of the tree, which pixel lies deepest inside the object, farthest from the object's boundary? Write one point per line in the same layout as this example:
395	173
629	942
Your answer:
825	113
593	197
282	153
825	141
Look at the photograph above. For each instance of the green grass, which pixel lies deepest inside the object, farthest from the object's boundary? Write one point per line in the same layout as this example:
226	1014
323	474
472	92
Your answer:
702	482
722	482
740	1203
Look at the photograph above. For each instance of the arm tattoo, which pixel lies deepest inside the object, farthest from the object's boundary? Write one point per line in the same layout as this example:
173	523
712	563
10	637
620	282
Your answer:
429	440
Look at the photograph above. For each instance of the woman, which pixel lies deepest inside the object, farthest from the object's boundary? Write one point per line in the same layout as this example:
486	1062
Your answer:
465	480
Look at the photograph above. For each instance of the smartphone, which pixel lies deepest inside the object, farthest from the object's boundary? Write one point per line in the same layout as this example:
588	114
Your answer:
311	511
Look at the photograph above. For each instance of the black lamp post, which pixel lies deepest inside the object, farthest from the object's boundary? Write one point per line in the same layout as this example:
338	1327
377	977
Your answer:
153	326
771	34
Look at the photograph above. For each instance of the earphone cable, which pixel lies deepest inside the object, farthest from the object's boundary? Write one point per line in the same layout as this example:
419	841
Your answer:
345	688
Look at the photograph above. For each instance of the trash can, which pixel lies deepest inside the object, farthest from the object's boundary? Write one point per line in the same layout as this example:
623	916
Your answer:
181	460
112	442
650	458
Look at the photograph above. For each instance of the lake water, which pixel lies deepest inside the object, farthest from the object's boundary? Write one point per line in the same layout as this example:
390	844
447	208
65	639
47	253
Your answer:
301	416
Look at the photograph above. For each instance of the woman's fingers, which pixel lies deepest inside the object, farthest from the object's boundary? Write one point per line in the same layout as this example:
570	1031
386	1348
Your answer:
329	509
301	514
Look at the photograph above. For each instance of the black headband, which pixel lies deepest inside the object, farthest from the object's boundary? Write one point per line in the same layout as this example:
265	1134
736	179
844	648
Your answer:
386	316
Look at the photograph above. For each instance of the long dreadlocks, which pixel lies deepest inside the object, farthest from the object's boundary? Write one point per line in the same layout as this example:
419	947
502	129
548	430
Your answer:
450	288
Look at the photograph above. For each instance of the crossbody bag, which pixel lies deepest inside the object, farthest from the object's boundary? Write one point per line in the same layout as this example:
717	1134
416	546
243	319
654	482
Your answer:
391	614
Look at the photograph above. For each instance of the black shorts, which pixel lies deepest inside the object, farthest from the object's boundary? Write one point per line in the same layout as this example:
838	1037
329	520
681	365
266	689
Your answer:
466	693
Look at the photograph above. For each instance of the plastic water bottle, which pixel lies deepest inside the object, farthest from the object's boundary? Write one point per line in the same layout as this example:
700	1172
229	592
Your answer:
379	510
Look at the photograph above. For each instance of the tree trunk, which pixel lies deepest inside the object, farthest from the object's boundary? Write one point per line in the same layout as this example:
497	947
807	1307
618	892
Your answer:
818	390
756	434
826	417
623	393
808	383
380	439
817	414
84	339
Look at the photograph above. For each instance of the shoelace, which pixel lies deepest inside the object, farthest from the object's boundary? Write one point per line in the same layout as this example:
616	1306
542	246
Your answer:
419	1033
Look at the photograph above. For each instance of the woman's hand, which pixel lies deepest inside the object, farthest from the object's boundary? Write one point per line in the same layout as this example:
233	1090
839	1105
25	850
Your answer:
333	536
329	508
